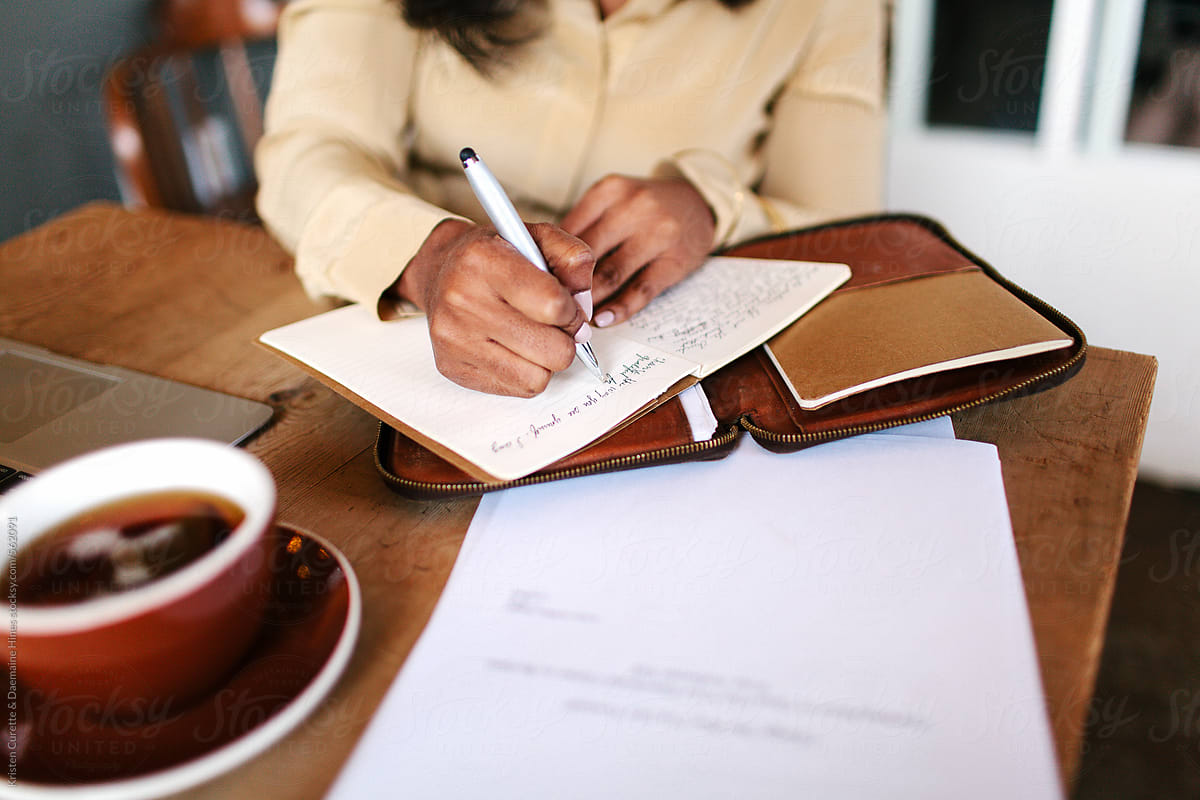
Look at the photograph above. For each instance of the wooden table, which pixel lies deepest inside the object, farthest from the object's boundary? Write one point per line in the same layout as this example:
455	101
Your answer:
186	298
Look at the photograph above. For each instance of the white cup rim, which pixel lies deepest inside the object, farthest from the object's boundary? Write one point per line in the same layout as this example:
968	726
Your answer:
181	464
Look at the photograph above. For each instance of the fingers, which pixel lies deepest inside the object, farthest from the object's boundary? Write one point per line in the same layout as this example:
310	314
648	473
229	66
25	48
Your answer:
620	265
602	195
570	259
616	224
499	324
645	285
512	300
492	368
539	297
640	223
517	358
491	271
547	346
647	234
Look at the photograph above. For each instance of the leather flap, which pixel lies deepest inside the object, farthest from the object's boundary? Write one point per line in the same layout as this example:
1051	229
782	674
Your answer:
661	436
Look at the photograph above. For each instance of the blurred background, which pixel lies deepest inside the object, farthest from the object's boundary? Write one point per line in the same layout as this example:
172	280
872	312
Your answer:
53	59
1058	139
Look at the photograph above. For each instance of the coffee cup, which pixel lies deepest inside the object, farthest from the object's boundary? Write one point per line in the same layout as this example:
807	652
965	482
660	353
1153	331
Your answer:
144	633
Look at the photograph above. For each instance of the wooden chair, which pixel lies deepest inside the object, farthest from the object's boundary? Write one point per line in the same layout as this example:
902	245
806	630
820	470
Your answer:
185	113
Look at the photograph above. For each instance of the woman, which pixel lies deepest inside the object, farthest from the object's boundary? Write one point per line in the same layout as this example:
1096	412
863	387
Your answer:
653	131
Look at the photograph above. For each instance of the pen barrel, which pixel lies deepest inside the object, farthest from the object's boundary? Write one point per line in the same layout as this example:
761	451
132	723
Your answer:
501	212
504	216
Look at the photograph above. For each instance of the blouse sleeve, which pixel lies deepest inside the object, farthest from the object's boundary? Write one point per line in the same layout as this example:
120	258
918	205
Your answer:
823	155
331	163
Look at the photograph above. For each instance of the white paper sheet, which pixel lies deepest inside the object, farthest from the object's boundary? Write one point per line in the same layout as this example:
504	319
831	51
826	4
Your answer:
843	622
937	428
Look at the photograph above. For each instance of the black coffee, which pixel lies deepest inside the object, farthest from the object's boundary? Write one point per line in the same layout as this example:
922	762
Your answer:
121	546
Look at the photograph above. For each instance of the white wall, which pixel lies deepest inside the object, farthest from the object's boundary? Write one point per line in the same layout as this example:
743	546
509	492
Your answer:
1114	246
1109	234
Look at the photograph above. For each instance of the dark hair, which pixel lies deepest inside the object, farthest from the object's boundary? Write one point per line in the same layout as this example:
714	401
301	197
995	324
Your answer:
483	30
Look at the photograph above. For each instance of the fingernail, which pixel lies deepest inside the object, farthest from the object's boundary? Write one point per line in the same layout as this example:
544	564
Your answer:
584	299
605	318
584	334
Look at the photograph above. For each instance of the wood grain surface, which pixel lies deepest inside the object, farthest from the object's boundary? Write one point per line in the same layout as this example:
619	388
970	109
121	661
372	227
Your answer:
186	298
1069	458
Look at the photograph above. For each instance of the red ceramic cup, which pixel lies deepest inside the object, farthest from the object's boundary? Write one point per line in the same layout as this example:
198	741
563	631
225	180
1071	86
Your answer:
148	651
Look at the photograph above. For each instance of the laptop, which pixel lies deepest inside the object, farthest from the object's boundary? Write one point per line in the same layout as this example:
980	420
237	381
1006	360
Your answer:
53	408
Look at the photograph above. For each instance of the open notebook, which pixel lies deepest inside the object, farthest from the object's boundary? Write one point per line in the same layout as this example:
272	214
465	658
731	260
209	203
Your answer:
724	309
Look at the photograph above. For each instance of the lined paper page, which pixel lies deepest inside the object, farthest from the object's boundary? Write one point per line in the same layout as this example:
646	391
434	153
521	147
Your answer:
732	305
390	365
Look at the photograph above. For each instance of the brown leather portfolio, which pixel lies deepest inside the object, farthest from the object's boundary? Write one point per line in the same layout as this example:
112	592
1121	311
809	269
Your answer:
917	302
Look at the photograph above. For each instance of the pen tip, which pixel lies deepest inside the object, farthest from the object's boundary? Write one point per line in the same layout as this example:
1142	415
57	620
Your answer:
466	154
590	360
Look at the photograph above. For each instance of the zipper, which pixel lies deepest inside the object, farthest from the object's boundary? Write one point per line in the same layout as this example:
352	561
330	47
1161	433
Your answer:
649	458
1041	305
763	434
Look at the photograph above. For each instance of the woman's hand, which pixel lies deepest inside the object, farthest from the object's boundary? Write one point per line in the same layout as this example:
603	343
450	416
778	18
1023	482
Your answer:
498	323
647	235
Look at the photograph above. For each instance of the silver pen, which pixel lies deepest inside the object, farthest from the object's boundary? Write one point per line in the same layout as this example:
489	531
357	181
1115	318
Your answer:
510	227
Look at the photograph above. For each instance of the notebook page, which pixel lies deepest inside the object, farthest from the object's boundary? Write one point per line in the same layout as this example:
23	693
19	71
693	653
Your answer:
732	305
390	366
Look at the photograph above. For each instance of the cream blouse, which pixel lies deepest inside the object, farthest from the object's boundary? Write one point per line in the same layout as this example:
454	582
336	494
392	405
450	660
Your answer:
773	111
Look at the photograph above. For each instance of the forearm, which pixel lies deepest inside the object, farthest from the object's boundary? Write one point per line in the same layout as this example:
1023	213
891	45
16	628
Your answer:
826	167
331	163
352	226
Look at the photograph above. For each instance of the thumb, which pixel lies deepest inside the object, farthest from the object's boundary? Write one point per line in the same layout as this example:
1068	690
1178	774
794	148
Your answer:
570	259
